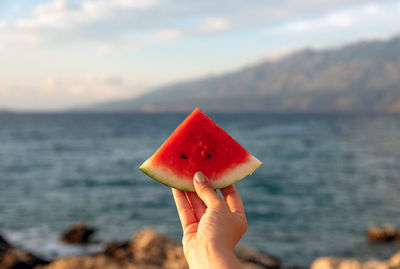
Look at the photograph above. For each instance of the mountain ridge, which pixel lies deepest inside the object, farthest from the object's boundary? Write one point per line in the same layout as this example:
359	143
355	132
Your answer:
360	77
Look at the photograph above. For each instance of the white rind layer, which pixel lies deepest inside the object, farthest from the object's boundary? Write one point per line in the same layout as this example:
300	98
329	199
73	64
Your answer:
167	177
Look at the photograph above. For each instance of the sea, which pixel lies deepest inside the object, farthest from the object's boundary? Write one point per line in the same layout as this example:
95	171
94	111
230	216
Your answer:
324	180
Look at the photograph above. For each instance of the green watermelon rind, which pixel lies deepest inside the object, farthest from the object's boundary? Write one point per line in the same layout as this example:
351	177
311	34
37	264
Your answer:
165	176
147	172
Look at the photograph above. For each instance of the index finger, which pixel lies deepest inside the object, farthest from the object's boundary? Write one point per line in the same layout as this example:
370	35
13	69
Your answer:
185	212
198	206
233	199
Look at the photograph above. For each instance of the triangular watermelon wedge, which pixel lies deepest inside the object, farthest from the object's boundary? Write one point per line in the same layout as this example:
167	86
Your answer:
198	144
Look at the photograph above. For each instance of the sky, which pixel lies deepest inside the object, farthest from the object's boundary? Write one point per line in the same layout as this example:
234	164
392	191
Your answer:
56	54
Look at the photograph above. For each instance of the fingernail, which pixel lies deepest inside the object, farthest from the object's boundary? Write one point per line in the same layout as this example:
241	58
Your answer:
200	177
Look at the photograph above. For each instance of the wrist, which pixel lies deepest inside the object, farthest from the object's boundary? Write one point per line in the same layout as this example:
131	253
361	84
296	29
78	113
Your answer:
225	259
213	257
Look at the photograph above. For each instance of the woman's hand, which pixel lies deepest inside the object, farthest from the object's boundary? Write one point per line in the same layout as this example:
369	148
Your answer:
212	226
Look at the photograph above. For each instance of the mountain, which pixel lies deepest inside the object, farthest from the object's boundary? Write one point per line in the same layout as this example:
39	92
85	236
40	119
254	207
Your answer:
361	77
2	110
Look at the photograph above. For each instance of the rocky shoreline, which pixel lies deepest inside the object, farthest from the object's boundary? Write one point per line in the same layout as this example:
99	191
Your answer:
149	249
336	263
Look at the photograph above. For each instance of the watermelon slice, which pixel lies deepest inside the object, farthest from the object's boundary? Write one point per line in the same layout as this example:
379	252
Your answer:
198	144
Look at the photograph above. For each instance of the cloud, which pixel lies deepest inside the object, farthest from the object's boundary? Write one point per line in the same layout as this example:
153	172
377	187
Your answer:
135	31
65	13
2	26
67	21
137	4
116	22
210	25
115	48
340	19
168	34
217	24
9	38
373	8
58	92
90	87
358	17
335	20
17	8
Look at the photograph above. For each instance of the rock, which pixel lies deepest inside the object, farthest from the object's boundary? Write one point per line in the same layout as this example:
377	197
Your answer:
250	265
375	234
84	262
116	256
325	263
383	234
149	247
175	259
3	243
4	246
349	264
20	259
78	233
12	258
335	263
100	261
394	261
375	265
119	251
248	255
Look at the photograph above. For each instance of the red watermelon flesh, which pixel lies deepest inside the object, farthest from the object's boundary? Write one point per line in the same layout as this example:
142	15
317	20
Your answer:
198	144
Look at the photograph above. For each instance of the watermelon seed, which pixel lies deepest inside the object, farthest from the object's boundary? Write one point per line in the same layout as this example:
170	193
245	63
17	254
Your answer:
183	156
208	156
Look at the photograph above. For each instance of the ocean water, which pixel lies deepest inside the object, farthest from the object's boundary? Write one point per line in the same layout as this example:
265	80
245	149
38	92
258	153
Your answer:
324	181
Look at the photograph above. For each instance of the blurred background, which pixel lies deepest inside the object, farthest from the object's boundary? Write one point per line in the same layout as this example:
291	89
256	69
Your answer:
89	89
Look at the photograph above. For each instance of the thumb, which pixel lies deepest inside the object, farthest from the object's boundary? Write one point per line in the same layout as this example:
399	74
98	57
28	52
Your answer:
204	190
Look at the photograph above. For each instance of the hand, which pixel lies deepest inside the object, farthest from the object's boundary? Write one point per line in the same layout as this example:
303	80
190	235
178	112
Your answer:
212	226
